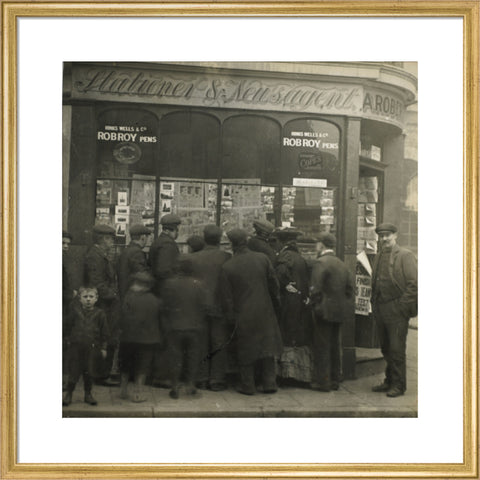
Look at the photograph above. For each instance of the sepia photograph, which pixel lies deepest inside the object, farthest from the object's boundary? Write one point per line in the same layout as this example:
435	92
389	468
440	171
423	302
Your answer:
258	202
277	276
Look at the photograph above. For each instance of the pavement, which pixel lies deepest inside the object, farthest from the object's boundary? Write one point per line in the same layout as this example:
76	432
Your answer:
353	399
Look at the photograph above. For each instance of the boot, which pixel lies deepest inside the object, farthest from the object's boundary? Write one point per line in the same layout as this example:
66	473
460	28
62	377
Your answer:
89	399
67	398
124	386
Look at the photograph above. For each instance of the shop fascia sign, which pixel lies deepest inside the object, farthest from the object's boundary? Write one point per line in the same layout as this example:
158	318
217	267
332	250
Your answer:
382	105
144	86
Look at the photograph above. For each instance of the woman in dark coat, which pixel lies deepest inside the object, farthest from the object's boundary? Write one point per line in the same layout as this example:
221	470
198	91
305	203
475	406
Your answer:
292	273
249	292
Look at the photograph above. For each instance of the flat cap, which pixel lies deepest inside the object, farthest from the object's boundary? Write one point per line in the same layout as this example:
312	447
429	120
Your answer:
103	229
170	219
144	277
212	232
196	243
139	229
263	226
237	236
65	234
327	239
386	227
286	233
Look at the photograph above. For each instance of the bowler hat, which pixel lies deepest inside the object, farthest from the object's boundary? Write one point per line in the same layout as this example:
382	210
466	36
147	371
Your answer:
195	242
386	227
139	229
263	226
170	219
237	236
103	229
327	239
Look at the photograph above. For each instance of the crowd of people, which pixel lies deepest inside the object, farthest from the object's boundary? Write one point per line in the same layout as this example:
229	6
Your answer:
173	320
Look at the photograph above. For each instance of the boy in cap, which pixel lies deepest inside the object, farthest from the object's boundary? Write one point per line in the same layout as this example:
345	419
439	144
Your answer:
394	302
184	309
207	265
260	241
86	332
163	258
132	258
332	295
249	289
164	251
101	273
142	333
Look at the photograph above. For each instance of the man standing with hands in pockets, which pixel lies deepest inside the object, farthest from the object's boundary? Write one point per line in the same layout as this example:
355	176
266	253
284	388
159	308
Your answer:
394	302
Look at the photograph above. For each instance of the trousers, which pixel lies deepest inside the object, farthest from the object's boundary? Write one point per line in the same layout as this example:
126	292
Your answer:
392	329
326	349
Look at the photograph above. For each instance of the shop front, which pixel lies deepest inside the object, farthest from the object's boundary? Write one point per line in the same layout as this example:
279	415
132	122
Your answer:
228	146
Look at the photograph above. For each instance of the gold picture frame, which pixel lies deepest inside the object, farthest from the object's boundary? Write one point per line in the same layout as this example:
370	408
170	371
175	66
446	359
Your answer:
467	10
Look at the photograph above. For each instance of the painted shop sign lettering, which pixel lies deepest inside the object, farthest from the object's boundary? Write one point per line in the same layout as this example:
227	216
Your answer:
92	82
309	182
377	104
122	133
179	88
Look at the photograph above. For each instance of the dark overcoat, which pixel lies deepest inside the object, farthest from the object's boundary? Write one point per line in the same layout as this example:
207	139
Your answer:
248	285
332	289
403	272
163	256
207	264
141	318
184	303
101	273
132	260
291	267
259	244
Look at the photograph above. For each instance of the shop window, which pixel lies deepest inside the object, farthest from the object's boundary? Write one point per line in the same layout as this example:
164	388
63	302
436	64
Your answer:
189	145
251	149
127	144
310	150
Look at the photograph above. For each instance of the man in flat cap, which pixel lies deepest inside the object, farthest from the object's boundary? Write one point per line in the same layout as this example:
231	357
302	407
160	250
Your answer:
164	251
332	294
132	258
394	302
207	264
100	272
259	242
163	259
292	272
249	289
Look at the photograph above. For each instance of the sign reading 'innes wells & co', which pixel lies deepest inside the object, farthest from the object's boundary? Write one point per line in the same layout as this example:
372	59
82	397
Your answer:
92	82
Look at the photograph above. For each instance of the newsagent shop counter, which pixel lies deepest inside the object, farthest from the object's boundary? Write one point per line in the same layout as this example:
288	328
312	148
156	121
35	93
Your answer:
316	146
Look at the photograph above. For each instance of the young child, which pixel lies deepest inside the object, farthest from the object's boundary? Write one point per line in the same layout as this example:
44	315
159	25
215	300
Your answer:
185	309
141	334
86	332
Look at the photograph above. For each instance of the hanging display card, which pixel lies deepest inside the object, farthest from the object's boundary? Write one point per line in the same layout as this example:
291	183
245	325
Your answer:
104	192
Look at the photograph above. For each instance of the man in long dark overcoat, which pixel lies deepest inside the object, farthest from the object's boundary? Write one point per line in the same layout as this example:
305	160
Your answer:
207	264
332	294
133	258
394	302
292	273
100	272
249	290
